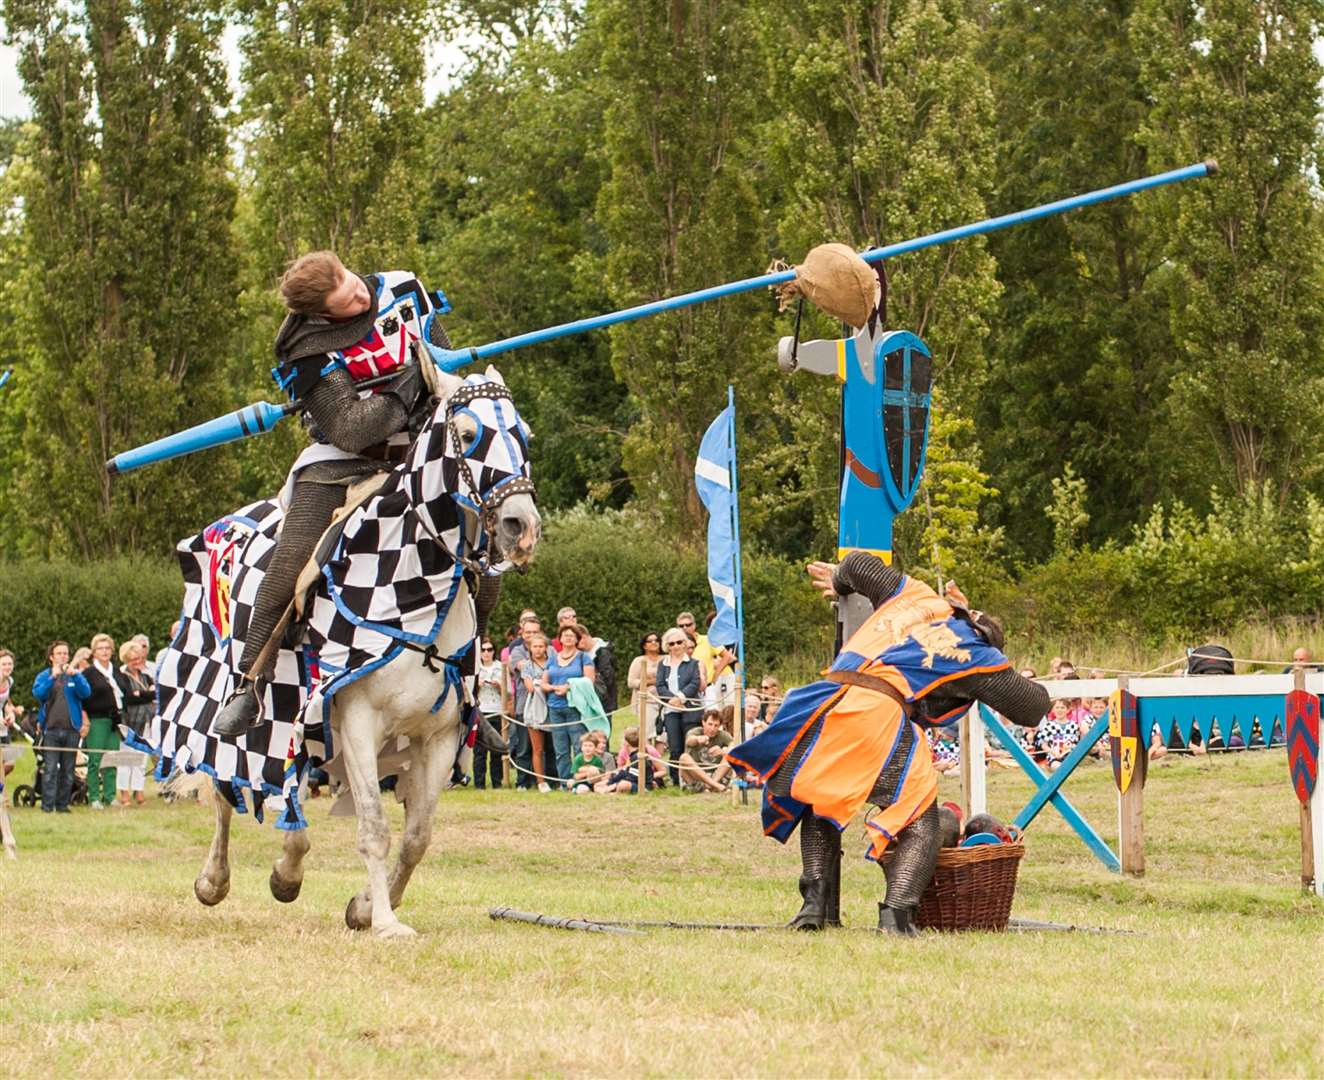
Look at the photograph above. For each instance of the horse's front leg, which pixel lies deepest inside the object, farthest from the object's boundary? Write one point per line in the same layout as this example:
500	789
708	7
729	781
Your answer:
359	743
287	873
431	767
213	881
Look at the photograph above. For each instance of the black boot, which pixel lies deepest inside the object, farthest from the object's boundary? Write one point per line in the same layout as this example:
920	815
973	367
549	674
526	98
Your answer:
242	712
813	913
897	921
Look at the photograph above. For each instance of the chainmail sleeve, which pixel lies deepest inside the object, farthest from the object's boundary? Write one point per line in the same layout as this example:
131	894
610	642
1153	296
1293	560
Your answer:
1005	692
348	421
866	574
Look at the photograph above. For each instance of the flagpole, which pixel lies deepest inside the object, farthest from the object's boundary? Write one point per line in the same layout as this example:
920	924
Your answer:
740	584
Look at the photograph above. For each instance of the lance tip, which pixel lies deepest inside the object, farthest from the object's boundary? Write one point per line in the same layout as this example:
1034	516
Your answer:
1211	166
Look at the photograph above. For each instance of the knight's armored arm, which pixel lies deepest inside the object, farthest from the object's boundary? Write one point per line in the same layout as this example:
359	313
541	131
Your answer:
1005	692
866	574
353	423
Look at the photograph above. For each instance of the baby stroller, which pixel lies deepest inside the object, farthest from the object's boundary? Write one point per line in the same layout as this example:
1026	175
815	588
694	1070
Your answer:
30	794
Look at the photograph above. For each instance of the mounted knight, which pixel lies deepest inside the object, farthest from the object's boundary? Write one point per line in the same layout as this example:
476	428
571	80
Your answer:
335	624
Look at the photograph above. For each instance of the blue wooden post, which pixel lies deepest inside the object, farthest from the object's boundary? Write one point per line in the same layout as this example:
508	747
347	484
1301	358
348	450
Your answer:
1048	785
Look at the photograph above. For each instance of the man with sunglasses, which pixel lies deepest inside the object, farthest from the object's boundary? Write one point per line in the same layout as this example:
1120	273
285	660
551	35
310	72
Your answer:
854	737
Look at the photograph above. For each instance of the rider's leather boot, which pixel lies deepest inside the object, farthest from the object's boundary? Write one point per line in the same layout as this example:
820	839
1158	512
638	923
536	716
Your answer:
242	712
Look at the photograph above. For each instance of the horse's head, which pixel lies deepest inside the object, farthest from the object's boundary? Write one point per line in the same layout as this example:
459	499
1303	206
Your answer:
475	451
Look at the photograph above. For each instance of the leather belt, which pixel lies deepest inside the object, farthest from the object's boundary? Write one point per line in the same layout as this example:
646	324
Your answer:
870	682
389	453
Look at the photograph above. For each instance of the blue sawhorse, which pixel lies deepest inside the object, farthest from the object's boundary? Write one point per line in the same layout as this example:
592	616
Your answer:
1048	784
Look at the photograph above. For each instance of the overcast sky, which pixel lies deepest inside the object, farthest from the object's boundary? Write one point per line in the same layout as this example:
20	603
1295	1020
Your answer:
442	60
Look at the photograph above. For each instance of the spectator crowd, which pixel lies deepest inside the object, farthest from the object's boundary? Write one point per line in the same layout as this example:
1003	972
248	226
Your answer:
84	698
549	703
554	690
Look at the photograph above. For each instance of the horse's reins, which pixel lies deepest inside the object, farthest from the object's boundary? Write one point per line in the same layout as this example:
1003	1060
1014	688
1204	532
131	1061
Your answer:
486	507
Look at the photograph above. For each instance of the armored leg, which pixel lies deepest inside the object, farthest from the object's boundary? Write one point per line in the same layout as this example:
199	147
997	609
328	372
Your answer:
820	875
909	869
310	512
820	849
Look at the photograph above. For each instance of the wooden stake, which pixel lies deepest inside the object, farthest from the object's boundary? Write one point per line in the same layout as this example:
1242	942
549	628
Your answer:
974	791
1131	805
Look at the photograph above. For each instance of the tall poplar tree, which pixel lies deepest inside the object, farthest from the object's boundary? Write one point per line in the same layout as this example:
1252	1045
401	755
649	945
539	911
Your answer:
883	131
334	146
1080	352
129	279
680	211
1239	80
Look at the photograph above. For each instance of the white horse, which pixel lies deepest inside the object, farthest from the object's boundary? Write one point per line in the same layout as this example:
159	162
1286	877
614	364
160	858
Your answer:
470	462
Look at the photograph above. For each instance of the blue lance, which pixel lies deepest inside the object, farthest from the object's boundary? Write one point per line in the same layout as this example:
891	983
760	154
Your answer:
4	376
263	415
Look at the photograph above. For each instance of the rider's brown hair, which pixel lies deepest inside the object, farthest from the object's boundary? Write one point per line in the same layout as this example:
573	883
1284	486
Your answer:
309	280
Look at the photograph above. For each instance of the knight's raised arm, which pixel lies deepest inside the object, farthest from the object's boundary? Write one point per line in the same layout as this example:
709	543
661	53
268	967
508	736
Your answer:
866	574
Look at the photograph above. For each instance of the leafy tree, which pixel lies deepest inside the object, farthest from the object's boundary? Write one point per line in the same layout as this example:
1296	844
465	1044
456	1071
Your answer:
1239	80
883	131
507	232
679	211
1081	352
333	145
128	278
1067	510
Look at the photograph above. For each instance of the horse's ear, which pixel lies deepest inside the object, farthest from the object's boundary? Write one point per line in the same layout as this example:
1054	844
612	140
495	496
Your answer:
445	383
495	375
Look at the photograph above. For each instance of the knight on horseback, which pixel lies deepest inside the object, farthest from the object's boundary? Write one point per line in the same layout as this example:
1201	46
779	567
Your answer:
341	331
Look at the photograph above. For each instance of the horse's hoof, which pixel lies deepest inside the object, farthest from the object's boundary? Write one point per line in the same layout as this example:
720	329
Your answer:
358	913
209	892
284	891
395	931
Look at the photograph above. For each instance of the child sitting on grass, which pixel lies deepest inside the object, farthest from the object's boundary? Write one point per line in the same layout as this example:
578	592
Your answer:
588	766
1057	736
625	780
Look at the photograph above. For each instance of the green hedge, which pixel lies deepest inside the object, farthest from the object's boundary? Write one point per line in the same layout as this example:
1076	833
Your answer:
625	579
622	579
42	601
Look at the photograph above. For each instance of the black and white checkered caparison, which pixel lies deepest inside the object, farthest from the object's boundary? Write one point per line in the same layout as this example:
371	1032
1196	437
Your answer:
390	582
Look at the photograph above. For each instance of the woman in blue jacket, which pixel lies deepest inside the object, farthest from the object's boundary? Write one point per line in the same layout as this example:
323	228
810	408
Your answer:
61	691
680	689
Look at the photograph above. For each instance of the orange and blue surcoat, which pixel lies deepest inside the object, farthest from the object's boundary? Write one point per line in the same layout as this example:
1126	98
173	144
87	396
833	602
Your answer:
915	642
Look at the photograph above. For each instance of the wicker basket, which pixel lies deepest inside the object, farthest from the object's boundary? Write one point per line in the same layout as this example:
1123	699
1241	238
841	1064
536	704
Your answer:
972	888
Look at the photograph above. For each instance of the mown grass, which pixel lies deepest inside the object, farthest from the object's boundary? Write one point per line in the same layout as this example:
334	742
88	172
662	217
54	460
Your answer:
109	962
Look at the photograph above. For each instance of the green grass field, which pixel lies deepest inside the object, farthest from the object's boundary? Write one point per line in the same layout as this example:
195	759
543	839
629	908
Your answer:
110	965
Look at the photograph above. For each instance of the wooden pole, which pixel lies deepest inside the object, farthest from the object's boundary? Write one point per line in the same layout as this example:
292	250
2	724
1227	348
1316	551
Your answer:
974	788
1312	810
1131	802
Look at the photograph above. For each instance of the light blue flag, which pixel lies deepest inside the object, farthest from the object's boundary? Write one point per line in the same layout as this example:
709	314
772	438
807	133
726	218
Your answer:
712	476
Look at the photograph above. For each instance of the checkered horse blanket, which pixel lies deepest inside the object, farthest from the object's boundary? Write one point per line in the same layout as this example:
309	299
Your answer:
388	585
